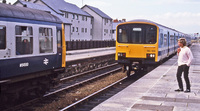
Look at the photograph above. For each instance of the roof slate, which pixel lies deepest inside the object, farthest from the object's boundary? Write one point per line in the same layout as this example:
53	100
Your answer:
98	11
61	5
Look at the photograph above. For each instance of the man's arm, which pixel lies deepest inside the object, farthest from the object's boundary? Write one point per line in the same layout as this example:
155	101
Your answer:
190	56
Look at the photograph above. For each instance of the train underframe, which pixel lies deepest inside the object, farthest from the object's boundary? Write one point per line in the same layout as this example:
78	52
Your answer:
19	89
136	65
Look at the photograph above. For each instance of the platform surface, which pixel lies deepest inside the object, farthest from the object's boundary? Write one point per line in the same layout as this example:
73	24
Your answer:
88	53
155	91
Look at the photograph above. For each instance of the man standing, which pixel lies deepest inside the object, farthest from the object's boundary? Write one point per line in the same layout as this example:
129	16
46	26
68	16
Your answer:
184	61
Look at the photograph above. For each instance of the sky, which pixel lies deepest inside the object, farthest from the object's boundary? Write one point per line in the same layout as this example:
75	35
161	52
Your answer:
182	15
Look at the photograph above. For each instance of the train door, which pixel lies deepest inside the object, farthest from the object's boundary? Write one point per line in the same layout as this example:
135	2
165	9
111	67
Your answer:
168	39
4	50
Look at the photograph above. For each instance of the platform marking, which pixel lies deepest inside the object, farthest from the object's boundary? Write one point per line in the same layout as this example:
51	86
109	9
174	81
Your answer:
128	109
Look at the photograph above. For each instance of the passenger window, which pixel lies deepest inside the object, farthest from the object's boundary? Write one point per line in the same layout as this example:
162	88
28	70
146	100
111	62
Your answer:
161	39
165	39
2	37
59	38
24	40
46	40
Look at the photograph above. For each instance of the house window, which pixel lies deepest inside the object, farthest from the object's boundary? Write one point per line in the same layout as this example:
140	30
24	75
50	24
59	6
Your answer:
90	31
76	17
73	16
91	20
82	30
2	37
83	18
105	30
104	21
85	30
66	15
72	29
76	29
45	40
24	40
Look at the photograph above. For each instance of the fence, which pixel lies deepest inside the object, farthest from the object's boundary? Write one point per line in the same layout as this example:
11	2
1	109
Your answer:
77	45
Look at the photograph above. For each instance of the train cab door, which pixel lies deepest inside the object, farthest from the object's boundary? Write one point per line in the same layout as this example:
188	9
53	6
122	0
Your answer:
168	39
4	50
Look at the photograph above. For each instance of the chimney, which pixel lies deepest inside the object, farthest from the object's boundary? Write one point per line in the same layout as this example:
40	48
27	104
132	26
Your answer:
123	20
115	20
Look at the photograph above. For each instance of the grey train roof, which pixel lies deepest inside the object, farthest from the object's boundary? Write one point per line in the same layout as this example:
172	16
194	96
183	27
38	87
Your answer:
143	20
61	5
27	13
99	12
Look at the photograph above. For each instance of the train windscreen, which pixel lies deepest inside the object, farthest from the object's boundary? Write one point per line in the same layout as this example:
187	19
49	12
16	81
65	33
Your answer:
137	34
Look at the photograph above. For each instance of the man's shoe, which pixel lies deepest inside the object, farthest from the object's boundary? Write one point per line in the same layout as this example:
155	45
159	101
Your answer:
178	90
187	91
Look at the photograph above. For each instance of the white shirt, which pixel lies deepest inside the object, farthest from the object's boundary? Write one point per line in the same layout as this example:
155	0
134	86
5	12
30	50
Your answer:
185	56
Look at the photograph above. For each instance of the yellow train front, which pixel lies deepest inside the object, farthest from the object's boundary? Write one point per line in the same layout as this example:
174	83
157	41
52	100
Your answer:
143	43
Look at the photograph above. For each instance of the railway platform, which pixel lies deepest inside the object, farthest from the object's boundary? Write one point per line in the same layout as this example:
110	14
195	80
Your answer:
155	90
88	53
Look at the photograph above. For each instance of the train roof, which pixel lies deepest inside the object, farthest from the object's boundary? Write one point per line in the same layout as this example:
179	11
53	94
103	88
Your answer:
148	21
27	13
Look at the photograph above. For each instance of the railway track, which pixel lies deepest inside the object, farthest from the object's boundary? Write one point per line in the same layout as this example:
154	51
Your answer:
69	83
96	98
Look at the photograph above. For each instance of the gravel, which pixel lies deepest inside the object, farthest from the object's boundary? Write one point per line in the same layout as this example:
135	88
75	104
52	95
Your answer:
67	98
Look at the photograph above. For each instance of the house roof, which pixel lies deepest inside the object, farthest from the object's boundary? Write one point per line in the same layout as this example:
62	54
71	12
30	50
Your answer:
33	5
42	8
98	11
61	5
27	13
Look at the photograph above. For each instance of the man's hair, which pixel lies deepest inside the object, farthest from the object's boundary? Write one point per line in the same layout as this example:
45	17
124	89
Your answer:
183	41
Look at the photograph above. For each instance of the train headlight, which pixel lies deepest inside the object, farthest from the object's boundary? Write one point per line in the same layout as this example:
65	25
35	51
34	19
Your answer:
122	54
150	55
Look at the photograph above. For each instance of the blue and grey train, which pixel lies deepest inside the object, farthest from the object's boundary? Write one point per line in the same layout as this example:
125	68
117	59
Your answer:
145	43
32	51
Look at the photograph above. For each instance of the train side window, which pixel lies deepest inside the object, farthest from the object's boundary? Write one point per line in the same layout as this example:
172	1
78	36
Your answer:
24	40
45	40
59	39
161	39
2	37
165	39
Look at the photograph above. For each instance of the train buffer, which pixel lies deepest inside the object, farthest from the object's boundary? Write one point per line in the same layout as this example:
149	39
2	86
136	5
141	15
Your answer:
155	90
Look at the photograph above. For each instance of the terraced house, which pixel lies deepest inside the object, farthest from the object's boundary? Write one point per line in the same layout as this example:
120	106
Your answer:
79	23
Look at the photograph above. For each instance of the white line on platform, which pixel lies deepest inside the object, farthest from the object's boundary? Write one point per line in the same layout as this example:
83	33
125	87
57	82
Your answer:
128	109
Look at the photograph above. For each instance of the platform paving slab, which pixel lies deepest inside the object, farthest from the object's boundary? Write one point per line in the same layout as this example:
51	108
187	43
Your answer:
155	91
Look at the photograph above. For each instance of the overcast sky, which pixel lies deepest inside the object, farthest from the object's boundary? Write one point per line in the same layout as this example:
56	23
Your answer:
182	15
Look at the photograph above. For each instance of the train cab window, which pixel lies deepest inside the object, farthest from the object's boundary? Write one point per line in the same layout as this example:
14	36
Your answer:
136	35
24	40
45	40
2	37
123	35
150	34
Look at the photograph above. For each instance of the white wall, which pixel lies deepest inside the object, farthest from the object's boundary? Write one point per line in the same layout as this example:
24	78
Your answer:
80	24
107	29
97	24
